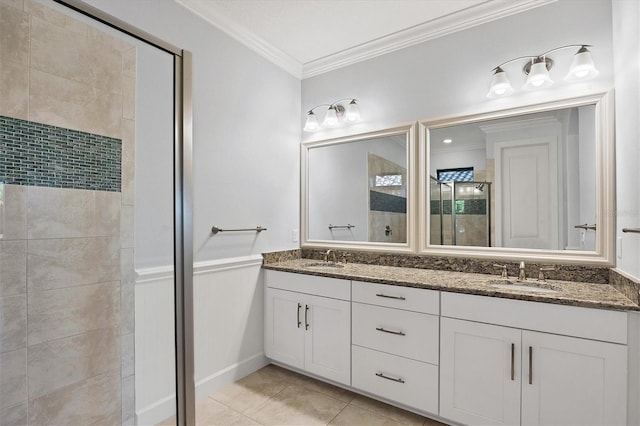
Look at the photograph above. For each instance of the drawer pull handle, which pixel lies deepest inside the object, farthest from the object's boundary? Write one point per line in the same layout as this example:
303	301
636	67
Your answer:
530	365
393	379
513	361
391	297
306	321
398	333
298	315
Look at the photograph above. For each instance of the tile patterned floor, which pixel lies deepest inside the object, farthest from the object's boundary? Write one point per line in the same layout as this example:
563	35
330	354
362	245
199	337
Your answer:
275	396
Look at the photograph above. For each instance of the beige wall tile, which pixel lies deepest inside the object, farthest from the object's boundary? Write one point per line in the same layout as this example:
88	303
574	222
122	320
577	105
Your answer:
17	4
127	226
128	398
129	62
106	220
128	140
129	97
14	416
55	314
108	41
58	263
127	350
128	182
58	51
65	103
13	323
13	267
53	16
14	223
92	401
14	34
127	292
13	374
59	212
14	90
54	365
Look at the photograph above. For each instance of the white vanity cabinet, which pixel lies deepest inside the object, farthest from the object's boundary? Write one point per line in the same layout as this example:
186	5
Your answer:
308	323
395	343
509	362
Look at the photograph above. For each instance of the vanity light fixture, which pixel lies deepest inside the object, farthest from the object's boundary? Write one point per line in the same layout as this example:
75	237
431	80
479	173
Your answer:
537	70
336	112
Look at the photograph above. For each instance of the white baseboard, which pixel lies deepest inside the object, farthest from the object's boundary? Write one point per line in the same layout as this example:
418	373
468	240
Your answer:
157	412
229	375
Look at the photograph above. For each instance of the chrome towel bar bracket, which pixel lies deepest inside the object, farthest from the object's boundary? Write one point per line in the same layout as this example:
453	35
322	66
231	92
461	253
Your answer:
215	229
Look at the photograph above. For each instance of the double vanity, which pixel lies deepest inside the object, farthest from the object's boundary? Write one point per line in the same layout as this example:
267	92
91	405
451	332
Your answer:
464	348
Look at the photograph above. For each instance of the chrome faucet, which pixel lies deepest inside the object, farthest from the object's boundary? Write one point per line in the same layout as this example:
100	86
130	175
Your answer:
332	253
522	276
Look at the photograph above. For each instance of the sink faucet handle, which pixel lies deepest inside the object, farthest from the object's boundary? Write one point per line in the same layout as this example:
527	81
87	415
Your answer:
504	270
543	269
345	256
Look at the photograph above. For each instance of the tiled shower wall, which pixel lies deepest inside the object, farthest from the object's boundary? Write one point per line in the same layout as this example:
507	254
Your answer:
66	252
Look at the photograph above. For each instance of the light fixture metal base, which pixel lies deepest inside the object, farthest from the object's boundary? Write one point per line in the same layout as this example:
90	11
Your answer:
548	62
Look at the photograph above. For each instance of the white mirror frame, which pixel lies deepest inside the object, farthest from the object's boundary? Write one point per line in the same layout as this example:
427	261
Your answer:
409	131
605	188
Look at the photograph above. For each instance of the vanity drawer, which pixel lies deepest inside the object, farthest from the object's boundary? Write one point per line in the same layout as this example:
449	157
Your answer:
409	334
310	284
408	382
393	296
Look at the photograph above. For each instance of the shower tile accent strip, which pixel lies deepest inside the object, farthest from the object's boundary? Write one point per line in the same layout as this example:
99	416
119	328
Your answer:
38	154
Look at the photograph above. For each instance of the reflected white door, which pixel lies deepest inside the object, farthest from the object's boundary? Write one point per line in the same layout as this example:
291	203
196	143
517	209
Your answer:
527	194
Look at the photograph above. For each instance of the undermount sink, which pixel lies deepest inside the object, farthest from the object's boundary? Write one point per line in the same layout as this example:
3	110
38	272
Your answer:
531	286
323	265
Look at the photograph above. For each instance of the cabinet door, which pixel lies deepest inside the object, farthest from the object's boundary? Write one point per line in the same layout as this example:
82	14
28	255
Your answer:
573	381
284	327
479	373
328	338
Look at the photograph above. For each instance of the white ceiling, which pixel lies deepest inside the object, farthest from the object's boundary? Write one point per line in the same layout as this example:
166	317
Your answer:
309	37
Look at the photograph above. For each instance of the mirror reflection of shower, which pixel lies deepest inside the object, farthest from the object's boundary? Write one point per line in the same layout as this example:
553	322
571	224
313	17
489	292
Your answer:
460	213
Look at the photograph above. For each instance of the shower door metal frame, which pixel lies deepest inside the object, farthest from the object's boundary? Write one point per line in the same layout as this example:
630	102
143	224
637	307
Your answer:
183	203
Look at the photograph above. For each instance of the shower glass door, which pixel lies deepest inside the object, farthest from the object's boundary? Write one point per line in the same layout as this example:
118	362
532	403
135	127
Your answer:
87	323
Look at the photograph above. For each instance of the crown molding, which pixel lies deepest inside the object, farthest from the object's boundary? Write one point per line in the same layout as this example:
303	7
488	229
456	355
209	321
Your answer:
244	36
475	15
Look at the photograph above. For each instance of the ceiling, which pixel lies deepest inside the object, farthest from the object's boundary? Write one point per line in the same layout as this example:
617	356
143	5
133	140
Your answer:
309	37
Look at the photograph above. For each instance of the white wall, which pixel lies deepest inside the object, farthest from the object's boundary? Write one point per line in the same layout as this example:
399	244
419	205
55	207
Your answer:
626	37
246	133
450	75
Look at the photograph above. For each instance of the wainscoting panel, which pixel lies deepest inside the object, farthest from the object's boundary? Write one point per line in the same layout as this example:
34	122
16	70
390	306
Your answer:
228	321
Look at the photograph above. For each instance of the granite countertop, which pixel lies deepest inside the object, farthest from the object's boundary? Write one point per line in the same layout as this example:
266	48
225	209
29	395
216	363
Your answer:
569	293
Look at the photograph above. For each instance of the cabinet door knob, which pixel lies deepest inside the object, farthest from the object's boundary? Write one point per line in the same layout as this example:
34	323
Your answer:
384	330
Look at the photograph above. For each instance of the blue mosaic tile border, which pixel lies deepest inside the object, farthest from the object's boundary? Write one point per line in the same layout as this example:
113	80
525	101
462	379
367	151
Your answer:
38	154
381	202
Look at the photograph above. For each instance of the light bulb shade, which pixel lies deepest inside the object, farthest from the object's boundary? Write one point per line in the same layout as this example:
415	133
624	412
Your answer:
311	125
331	117
539	77
353	112
582	67
500	85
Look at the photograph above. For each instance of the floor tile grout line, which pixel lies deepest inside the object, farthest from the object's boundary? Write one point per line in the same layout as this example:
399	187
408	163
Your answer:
334	417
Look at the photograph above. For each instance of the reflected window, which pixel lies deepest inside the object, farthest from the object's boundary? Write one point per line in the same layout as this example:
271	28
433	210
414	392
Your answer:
388	180
461	174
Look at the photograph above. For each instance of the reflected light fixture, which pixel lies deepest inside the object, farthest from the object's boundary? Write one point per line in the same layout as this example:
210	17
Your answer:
336	112
537	70
447	140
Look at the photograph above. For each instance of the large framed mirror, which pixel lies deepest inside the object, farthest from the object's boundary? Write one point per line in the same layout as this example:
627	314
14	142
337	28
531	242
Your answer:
357	191
534	183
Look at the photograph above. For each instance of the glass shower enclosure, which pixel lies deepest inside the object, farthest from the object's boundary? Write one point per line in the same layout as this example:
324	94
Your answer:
460	213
